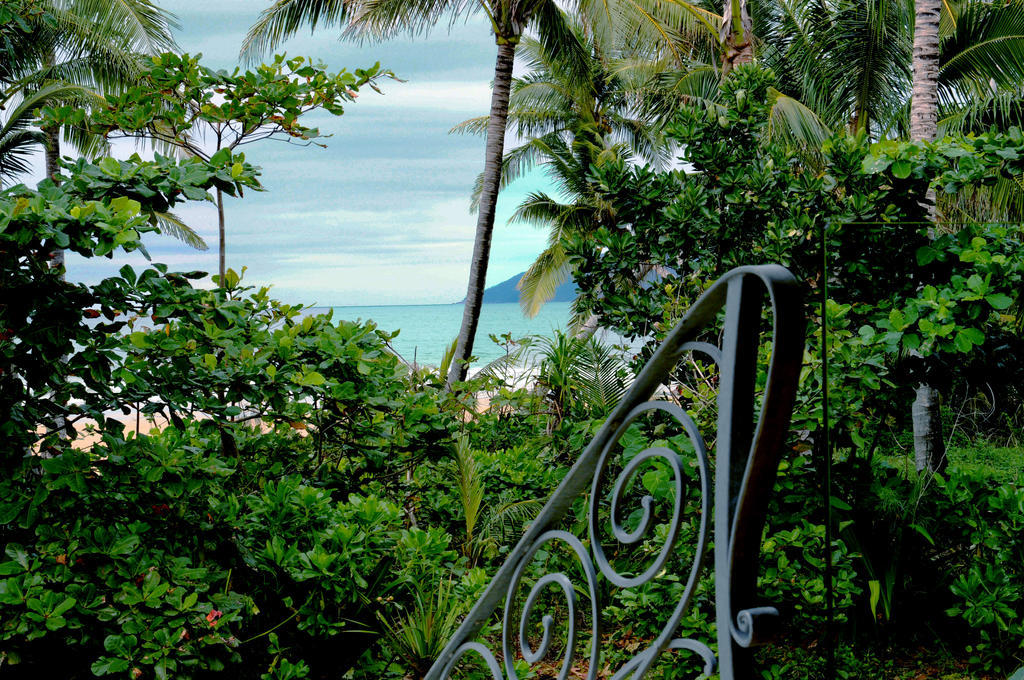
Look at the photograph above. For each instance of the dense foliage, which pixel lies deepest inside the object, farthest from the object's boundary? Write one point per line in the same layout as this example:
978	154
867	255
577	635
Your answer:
306	505
905	298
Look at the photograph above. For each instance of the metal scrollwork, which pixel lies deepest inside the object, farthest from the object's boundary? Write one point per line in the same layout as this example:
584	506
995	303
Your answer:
746	456
565	583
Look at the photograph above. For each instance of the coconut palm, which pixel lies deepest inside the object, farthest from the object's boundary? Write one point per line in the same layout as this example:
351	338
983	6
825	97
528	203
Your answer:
847	64
673	24
929	447
92	44
866	64
386	18
71	52
572	120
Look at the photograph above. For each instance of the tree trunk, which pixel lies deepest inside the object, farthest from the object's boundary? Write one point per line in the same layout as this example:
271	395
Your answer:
924	95
737	35
494	152
53	172
929	447
588	327
220	231
929	444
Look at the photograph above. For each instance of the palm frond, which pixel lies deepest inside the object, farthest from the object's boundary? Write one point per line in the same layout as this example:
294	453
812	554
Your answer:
469	483
285	18
146	26
795	125
604	377
421	634
384	19
542	278
171	224
508	520
986	45
473	126
1002	109
17	147
17	140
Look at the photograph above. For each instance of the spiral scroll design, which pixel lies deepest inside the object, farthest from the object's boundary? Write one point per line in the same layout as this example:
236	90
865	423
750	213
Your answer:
754	626
665	640
485	654
633	537
565	584
749	442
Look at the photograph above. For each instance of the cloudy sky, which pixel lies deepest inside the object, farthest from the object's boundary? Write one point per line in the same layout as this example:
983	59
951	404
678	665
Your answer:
381	216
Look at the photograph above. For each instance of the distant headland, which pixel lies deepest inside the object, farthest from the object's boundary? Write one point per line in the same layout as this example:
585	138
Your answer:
506	292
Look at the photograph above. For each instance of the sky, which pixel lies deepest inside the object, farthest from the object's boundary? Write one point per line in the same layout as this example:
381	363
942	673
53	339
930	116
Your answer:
380	216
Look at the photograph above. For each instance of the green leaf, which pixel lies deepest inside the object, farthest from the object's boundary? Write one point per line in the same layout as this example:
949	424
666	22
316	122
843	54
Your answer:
921	530
55	622
110	167
124	545
236	170
875	164
312	379
926	255
974	335
221	157
108	666
902	169
18	554
999	300
875	589
139	340
963	342
210	361
840	504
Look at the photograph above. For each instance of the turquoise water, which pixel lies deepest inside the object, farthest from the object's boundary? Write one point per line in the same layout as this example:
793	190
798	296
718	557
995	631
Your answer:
428	330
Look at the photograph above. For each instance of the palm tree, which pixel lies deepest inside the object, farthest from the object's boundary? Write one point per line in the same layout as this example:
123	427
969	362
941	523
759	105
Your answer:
929	446
385	18
847	64
737	35
855	64
92	44
72	52
573	120
19	139
669	26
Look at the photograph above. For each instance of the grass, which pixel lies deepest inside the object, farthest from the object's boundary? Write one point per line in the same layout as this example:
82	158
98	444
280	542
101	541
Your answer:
1002	463
1005	464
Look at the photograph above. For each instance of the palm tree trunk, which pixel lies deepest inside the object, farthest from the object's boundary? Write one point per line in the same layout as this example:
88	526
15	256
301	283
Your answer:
220	230
924	95
56	256
588	327
52	155
737	35
929	444
494	152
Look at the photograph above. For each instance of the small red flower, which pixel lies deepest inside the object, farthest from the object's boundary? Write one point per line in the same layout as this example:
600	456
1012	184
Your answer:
212	617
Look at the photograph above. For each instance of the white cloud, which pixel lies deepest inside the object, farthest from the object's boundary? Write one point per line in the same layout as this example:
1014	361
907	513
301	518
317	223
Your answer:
470	98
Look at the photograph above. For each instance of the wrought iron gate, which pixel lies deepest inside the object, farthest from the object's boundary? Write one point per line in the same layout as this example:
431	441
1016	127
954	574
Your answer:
747	453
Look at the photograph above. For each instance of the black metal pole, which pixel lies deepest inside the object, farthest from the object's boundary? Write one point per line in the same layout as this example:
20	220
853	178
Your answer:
830	650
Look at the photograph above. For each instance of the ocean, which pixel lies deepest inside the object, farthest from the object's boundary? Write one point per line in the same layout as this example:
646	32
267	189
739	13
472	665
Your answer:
426	331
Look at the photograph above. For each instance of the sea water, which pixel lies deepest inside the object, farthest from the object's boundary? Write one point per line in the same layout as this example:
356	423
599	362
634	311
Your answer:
426	331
